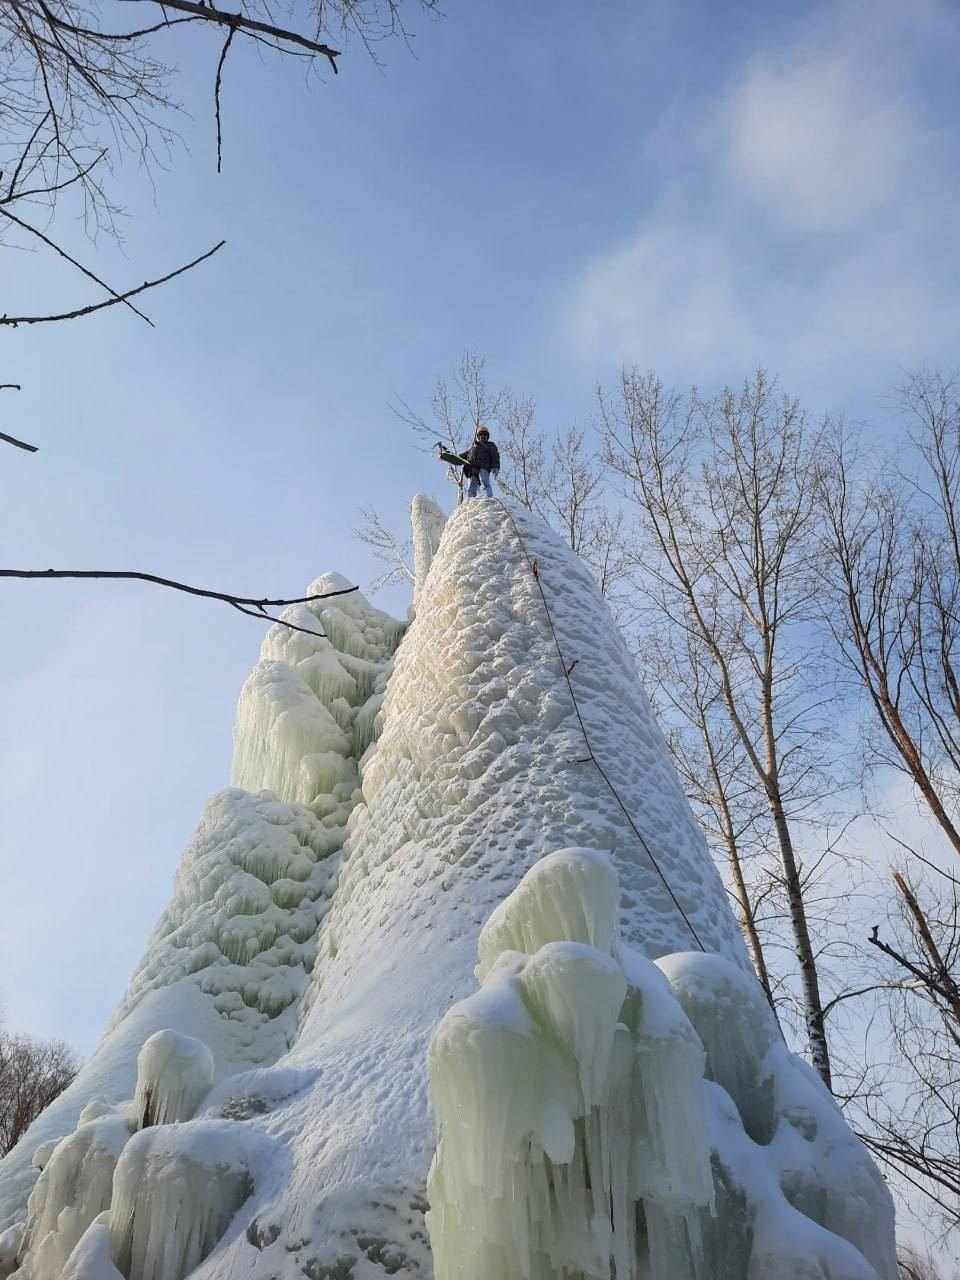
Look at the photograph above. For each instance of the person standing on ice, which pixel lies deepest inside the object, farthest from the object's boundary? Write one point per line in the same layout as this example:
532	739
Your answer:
483	460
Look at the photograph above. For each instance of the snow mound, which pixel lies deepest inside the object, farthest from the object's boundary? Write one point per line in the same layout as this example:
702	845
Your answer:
10	1241
91	1259
808	1181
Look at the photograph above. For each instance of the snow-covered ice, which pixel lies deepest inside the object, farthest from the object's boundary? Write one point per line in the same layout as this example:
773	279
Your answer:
409	820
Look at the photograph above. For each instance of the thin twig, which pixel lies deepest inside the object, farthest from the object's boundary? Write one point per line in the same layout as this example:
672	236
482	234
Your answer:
240	22
20	444
280	622
52	244
216	93
111	302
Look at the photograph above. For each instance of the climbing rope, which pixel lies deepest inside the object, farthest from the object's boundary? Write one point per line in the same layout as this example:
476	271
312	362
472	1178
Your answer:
567	669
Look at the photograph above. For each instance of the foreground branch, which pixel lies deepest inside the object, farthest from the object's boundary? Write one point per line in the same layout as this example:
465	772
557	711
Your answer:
240	22
111	302
91	275
20	444
250	605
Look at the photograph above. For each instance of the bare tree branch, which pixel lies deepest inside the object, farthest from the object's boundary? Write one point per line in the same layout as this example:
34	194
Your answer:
242	22
35	231
262	602
216	94
112	302
20	444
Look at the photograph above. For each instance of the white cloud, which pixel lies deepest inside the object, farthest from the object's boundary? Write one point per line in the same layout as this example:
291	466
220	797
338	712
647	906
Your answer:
805	220
670	284
822	138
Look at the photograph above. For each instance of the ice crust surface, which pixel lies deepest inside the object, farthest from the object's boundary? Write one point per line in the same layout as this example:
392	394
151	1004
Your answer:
332	918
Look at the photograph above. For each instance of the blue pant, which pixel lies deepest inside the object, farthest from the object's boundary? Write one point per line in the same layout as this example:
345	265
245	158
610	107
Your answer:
475	482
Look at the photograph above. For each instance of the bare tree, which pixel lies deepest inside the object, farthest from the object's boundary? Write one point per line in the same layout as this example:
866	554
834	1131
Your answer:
389	549
32	1074
724	497
912	1122
892	560
890	593
912	1265
560	476
909	1110
716	772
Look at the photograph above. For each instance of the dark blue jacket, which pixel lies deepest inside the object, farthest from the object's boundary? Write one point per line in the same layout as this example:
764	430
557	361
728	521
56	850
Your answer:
483	456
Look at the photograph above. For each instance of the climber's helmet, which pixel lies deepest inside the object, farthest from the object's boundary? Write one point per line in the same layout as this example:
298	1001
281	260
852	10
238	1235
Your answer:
483	434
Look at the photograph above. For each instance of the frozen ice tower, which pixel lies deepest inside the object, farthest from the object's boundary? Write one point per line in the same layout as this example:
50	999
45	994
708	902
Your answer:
448	985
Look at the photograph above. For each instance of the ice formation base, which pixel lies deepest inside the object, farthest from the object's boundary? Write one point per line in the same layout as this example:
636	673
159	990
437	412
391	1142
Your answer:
595	1112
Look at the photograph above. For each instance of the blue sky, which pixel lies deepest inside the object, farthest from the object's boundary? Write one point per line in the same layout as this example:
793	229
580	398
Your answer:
696	188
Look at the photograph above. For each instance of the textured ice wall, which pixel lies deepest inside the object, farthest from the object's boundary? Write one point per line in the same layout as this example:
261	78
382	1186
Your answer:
477	774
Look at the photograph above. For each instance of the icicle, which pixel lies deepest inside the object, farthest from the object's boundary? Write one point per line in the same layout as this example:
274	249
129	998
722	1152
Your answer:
324	672
554	1117
74	1187
174	1071
280	720
10	1241
91	1258
576	993
428	521
671	1157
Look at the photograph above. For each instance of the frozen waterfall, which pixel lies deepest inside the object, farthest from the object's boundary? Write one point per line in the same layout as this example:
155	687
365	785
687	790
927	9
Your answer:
421	1003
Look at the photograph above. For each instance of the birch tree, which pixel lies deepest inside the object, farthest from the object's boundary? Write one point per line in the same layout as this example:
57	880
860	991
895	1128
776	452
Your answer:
890	594
725	519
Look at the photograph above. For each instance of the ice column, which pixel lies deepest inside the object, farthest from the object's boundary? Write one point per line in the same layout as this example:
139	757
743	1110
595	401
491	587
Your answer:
428	521
174	1071
568	1089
